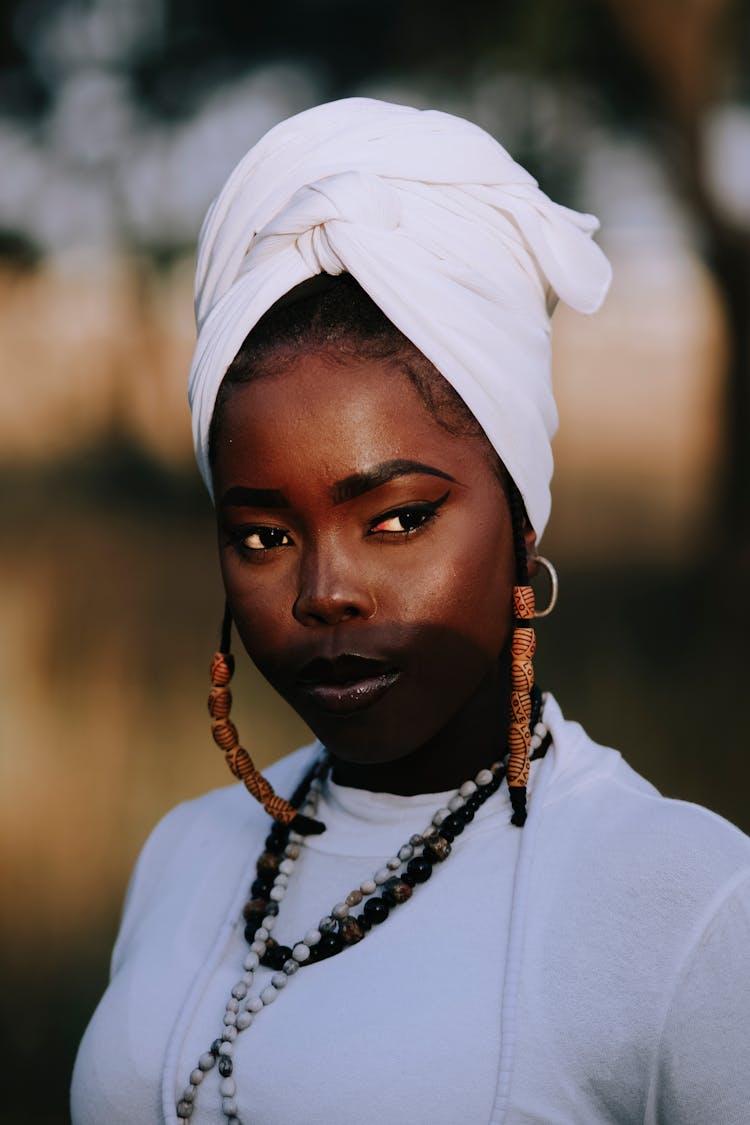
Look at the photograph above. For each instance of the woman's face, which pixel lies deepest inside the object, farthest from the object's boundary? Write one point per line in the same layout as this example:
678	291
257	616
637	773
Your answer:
366	552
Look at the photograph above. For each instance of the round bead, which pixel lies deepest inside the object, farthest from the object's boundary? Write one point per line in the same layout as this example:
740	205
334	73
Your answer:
188	1094
206	1061
262	934
251	962
295	838
468	788
233	1005
329	945
184	1109
393	863
327	925
301	952
456	802
368	887
464	815
226	1048
405	852
244	1019
196	1077
451	826
396	891
268	923
272	908
227	1087
277	893
269	994
279	980
416	840
312	937
277	956
254	1004
438	819
281	880
258	947
437	849
484	777
354	898
292	851
226	1066
420	869
239	992
540	729
268	864
376	910
229	1106
229	1034
230	1019
286	867
290	967
382	876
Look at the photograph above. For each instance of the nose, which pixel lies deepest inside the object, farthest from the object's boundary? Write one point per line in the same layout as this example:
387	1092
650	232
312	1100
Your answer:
332	590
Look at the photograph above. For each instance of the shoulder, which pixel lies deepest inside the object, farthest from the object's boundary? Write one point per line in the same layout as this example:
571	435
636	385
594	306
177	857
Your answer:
615	815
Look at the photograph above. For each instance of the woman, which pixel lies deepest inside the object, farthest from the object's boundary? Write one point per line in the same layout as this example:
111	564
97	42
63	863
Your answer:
416	940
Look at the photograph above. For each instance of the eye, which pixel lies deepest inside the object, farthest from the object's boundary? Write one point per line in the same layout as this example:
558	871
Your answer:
403	521
262	538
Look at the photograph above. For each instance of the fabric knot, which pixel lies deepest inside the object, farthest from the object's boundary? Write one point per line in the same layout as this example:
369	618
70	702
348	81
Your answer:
309	219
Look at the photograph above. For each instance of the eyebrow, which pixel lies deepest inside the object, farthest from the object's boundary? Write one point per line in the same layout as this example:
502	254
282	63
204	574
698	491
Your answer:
343	490
242	497
369	479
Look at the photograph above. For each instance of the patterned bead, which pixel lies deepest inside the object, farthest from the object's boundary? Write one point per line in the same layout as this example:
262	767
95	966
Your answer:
268	863
438	849
290	967
327	925
354	898
396	891
351	931
254	908
184	1110
226	1066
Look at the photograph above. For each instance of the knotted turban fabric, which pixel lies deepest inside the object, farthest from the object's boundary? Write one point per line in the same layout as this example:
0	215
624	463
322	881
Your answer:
451	238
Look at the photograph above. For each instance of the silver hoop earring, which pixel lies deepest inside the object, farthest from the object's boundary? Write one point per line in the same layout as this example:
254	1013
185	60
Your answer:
554	586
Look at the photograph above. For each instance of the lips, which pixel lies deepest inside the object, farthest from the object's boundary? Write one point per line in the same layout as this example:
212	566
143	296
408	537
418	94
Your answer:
346	683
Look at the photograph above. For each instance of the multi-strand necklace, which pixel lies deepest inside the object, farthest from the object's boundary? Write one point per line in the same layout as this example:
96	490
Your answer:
395	881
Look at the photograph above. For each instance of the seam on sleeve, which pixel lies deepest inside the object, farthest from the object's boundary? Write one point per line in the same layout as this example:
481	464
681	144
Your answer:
703	924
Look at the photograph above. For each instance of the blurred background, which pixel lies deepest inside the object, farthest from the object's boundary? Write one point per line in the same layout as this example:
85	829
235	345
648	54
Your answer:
119	120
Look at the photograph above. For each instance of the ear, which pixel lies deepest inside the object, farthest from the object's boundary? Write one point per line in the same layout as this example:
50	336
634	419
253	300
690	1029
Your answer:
529	536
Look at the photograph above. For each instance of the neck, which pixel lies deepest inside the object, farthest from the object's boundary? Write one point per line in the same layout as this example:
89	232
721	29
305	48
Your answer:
473	739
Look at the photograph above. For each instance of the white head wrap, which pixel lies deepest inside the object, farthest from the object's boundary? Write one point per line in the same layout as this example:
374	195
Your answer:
450	237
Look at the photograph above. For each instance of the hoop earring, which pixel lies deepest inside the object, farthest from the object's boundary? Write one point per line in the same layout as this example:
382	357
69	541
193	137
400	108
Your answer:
227	738
554	586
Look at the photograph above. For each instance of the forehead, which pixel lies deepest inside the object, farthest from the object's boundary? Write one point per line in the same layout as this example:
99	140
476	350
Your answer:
333	415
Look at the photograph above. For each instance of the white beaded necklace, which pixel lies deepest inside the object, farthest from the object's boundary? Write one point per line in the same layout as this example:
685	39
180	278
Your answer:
423	850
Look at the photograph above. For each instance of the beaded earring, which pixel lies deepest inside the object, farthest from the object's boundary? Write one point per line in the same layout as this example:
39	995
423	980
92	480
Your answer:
226	737
522	647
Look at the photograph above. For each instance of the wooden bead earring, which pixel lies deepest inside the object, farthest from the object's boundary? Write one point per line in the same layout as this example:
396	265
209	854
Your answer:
227	738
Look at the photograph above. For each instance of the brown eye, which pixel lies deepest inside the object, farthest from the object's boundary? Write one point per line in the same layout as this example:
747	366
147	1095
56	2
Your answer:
264	538
403	520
